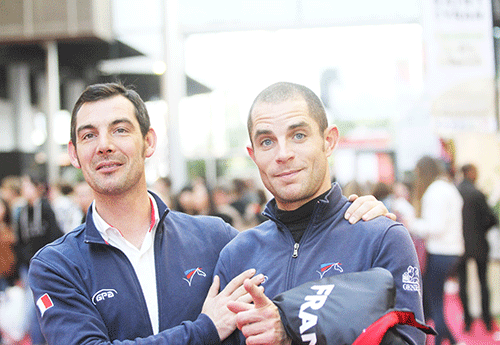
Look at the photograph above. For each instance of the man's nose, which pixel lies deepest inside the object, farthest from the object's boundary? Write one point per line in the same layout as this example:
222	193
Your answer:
106	144
285	153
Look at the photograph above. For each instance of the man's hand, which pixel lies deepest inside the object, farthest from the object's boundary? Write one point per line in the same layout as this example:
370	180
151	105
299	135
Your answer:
260	322
215	305
366	208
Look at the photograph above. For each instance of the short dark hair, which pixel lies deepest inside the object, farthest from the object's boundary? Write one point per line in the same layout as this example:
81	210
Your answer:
468	167
97	92
284	91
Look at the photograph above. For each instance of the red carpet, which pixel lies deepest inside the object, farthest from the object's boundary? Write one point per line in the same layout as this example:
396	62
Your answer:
477	335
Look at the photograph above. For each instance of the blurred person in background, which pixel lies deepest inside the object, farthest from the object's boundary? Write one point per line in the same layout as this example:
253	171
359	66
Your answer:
249	200
242	197
36	226
401	204
396	198
308	227
7	240
194	198
7	256
438	220
220	202
135	271
253	214
163	187
83	197
478	218
185	201
68	213
383	191
10	191
354	187
201	196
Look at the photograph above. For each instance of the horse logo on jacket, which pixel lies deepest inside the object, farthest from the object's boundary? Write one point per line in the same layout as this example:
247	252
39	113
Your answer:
326	267
192	272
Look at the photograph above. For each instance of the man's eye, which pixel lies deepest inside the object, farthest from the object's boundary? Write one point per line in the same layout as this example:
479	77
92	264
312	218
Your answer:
121	130
87	136
300	136
266	142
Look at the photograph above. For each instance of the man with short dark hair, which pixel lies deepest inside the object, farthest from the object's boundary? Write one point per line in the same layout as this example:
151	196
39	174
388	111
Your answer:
307	236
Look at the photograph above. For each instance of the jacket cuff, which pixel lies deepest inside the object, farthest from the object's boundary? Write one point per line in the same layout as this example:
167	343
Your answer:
207	329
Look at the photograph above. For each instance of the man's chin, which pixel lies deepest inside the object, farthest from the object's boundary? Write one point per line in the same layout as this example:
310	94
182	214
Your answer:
289	200
109	189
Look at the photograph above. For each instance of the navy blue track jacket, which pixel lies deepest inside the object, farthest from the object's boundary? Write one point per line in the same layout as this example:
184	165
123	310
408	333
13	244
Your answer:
330	246
89	293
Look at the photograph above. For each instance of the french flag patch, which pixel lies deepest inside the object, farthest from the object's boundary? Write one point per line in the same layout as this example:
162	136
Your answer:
44	303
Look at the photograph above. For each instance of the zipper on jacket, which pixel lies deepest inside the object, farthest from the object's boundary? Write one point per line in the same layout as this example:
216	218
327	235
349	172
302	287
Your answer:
295	250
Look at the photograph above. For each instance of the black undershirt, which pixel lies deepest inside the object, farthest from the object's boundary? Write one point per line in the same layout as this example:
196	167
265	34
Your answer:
297	220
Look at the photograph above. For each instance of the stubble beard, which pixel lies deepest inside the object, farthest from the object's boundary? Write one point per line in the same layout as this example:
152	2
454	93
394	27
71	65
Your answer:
111	185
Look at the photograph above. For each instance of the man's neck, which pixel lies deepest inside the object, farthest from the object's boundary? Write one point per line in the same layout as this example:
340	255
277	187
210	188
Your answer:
298	219
130	214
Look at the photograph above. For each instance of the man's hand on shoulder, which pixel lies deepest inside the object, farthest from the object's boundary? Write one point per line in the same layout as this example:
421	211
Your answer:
216	304
366	207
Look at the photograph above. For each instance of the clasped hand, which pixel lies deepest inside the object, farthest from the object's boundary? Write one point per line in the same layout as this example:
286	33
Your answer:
243	304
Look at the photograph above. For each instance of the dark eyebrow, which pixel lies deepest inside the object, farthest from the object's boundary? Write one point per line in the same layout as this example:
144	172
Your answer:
82	128
260	132
123	120
299	125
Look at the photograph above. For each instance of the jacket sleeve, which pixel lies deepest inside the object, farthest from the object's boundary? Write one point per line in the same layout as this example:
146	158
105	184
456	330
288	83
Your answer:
398	255
67	316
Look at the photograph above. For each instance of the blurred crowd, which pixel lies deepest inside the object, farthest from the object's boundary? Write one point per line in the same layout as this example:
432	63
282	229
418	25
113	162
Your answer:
33	214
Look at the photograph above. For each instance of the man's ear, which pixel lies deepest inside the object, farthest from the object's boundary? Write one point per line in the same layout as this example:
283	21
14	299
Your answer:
73	157
331	139
251	152
150	143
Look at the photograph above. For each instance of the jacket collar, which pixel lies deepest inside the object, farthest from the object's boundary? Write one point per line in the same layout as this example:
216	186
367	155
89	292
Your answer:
326	207
92	235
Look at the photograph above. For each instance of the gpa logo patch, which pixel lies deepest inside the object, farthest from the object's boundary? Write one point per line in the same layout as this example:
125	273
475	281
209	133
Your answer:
44	303
193	272
103	294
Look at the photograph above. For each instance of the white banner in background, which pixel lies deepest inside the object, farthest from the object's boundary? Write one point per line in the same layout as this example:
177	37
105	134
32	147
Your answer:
459	64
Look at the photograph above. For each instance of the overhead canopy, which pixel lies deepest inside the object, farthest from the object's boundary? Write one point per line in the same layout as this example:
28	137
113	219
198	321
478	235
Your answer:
148	85
76	54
